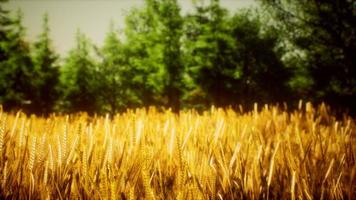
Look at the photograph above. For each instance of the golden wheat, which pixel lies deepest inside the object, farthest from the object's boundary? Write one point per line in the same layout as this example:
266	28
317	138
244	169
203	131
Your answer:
267	153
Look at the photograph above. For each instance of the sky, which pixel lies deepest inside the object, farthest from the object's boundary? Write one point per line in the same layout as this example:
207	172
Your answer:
91	17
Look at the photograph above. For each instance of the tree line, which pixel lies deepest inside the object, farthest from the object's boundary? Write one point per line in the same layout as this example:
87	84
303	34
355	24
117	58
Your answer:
279	51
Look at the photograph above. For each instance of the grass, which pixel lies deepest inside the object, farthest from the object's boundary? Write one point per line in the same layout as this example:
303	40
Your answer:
146	154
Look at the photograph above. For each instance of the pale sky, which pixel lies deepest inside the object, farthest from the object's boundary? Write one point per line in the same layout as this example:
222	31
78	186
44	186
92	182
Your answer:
92	17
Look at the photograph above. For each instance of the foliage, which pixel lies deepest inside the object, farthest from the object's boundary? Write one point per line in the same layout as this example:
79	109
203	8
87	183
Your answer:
234	59
324	35
262	77
5	24
281	51
172	22
17	71
116	89
143	52
153	38
46	69
79	79
209	48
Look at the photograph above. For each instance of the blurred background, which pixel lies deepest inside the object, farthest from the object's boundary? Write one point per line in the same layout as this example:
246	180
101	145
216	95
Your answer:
108	56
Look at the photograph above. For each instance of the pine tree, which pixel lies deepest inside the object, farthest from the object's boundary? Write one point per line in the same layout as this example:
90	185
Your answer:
47	71
79	79
171	34
116	90
143	49
5	25
154	49
16	68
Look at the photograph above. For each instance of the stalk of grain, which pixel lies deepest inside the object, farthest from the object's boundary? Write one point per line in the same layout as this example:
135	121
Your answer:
328	171
32	185
139	130
84	164
197	191
146	184
181	171
165	127
42	149
145	177
22	130
292	186
113	188
297	131
218	130
14	124
2	133
72	149
109	152
50	158
91	142
64	142
300	105
59	152
32	154
4	175
132	193
104	191
106	131
337	184
234	155
212	183
45	174
187	137
325	177
306	192
171	142
270	173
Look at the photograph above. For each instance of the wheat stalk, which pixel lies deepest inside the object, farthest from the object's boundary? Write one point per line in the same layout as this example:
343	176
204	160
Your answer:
32	154
292	187
2	134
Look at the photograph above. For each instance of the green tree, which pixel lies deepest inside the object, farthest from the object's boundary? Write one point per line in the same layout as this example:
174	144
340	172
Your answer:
262	76
233	60
79	79
116	90
143	51
16	68
324	35
5	25
209	50
47	72
154	35
171	34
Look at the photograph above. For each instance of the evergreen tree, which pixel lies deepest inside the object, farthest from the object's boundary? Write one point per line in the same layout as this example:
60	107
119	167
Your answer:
143	50
116	90
79	79
5	25
171	34
16	68
47	72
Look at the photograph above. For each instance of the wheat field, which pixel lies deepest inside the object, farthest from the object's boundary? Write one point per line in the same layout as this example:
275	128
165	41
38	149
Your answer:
267	153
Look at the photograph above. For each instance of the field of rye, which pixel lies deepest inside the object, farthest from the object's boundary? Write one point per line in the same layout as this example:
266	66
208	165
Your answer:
267	153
